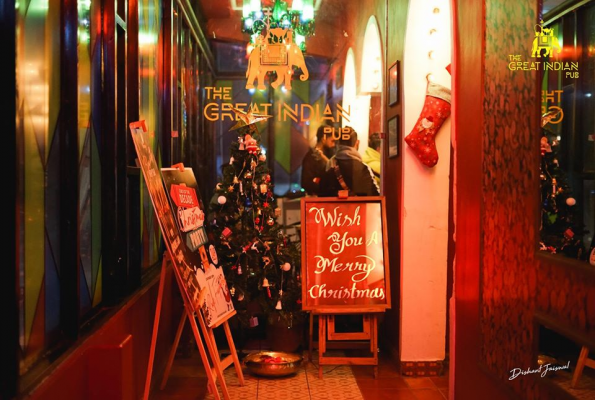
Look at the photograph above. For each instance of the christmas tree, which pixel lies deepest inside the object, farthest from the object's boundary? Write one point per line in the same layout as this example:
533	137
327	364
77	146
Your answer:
561	229
261	264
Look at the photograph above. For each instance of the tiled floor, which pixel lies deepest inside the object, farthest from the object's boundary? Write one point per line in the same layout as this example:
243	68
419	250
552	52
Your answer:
188	381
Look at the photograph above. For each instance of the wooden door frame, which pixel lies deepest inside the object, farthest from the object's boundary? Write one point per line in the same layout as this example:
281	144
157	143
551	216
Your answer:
467	380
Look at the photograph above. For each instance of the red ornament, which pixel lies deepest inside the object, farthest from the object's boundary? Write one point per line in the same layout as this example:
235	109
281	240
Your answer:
226	233
257	220
265	204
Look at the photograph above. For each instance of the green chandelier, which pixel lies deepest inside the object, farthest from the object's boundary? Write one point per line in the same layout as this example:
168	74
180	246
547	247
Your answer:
299	19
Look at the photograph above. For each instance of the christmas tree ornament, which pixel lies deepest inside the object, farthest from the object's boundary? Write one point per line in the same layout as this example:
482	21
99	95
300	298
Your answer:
248	202
235	180
265	282
568	233
277	212
253	165
246	120
221	200
545	146
266	260
241	297
251	145
257	220
231	160
265	204
270	221
254	185
286	267
262	158
232	291
226	233
248	175
571	201
263	188
239	269
267	178
230	189
218	186
278	306
241	188
435	111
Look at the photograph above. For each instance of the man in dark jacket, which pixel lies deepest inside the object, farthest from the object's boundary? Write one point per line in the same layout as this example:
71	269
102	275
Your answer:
346	171
314	163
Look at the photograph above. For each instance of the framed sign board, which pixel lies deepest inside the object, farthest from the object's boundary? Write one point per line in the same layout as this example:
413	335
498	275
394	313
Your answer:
344	255
188	265
190	216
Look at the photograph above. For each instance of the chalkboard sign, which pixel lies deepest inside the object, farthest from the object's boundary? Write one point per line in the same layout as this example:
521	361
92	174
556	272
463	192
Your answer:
187	264
187	207
344	255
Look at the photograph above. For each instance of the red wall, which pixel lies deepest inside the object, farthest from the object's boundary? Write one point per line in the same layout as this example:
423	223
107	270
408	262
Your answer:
111	362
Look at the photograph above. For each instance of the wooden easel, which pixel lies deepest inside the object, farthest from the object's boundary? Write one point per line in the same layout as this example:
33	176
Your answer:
329	338
213	372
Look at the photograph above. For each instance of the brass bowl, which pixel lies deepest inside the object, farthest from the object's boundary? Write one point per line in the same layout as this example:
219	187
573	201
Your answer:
278	364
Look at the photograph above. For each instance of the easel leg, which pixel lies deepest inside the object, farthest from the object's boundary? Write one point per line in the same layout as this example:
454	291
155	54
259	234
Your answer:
155	327
212	346
205	358
172	353
201	348
374	342
311	337
234	353
322	321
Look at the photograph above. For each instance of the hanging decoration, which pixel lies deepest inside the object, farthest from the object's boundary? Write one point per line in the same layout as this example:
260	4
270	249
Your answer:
299	19
277	39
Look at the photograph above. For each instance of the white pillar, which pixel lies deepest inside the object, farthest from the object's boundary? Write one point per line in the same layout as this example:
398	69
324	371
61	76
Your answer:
424	238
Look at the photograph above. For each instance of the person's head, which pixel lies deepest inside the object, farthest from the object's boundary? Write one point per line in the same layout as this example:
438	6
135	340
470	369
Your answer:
374	141
349	137
325	139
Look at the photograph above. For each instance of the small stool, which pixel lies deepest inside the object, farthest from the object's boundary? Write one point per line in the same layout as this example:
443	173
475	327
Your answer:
583	360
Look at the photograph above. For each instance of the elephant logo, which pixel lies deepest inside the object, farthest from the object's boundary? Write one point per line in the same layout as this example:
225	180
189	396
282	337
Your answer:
275	52
544	40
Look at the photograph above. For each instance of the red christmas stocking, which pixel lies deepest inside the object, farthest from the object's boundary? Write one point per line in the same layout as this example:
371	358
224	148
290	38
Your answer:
422	137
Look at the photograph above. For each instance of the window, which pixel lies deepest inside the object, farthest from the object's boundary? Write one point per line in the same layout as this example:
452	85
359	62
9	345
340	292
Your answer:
568	138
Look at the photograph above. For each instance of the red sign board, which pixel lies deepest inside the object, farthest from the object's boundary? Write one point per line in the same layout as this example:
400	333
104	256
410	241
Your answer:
183	196
344	255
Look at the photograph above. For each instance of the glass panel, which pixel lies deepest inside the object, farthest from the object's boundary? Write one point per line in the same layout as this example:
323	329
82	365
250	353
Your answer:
568	142
89	163
149	22
38	99
306	63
